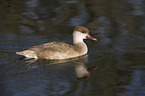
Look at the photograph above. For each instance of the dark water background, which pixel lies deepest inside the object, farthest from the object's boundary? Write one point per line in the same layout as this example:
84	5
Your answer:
119	53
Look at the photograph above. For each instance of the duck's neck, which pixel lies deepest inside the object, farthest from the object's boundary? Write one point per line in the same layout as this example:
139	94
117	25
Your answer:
81	48
79	44
77	37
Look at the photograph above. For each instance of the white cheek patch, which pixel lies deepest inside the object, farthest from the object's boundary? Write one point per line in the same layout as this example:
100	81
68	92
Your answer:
80	35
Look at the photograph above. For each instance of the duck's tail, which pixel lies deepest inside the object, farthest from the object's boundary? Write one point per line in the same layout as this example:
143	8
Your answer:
28	54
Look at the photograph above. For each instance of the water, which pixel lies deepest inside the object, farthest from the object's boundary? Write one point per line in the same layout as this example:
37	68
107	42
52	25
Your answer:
114	65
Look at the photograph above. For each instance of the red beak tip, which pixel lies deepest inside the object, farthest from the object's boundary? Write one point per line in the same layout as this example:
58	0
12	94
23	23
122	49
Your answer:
95	39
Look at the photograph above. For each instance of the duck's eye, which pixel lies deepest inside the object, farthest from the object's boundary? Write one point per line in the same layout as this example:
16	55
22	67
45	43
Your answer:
83	32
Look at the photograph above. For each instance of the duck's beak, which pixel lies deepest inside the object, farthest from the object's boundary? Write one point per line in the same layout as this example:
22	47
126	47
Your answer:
91	38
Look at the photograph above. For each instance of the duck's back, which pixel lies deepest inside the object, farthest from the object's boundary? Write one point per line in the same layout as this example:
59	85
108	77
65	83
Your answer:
55	46
54	50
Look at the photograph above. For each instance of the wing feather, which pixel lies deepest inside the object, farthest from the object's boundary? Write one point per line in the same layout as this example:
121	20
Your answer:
55	46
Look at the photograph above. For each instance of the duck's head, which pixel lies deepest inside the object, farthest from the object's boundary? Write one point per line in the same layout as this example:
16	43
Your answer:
81	33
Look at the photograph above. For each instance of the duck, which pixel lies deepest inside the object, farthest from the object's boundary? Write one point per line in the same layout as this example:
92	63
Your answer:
61	50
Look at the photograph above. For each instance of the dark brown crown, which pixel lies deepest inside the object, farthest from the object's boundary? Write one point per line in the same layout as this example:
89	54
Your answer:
82	29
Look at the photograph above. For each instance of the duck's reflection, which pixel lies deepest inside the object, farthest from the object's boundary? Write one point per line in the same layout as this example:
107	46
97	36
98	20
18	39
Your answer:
80	68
